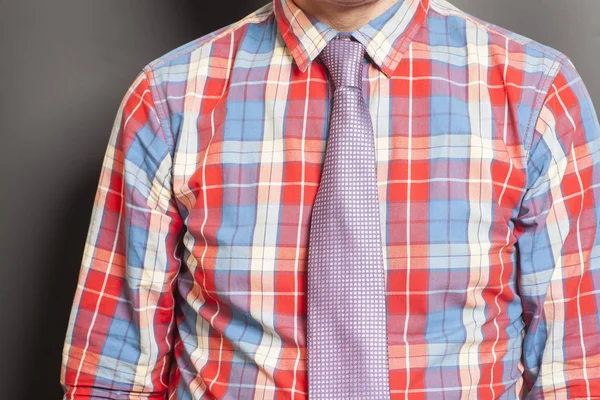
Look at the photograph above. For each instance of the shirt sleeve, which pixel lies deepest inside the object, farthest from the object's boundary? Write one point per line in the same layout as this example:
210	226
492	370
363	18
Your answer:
558	243
119	336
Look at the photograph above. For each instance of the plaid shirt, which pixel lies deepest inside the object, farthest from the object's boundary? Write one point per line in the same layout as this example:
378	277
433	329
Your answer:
192	283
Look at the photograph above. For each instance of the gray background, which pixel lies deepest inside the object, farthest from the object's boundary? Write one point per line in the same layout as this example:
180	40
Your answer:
65	66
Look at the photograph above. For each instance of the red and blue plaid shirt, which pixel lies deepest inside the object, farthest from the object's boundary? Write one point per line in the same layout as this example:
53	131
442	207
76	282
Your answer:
193	278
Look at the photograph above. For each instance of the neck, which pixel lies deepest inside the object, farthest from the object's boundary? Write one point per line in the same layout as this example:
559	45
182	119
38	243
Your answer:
345	15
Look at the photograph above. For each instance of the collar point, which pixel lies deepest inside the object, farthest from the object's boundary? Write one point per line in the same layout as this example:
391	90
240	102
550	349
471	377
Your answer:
302	65
389	66
387	70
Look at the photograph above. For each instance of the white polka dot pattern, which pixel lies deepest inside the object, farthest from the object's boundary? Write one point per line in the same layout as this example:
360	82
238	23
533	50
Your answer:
346	322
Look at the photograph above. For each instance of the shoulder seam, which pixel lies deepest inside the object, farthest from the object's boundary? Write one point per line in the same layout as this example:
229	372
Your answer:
539	100
549	76
251	18
148	70
529	42
160	111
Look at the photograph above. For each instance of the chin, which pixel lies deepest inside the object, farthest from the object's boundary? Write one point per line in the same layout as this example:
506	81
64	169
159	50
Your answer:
347	3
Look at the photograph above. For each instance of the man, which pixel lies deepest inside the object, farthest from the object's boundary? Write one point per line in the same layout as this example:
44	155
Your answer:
443	243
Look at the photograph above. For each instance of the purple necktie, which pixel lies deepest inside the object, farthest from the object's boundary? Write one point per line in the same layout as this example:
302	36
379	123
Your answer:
346	323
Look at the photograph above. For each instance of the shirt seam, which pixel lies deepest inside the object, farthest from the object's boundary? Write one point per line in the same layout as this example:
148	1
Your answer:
160	111
539	101
524	41
239	24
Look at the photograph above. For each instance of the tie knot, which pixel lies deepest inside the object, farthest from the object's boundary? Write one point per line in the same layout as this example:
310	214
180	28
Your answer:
343	57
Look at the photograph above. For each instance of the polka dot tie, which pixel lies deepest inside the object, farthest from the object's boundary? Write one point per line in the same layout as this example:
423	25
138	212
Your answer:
346	322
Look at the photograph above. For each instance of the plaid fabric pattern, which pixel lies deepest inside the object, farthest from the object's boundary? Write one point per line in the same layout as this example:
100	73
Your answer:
193	277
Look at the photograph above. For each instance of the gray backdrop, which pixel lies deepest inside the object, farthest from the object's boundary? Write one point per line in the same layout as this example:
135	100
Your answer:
65	65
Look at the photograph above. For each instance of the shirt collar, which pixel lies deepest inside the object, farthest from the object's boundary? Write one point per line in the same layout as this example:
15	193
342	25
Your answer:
385	37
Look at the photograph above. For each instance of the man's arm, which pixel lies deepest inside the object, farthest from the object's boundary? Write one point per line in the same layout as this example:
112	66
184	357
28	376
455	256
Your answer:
119	338
558	230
